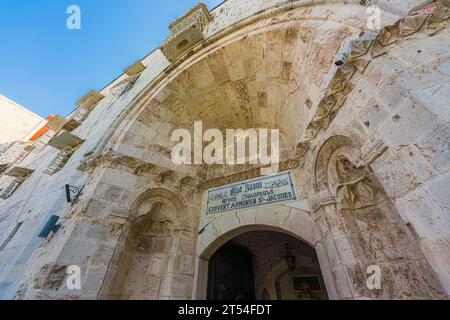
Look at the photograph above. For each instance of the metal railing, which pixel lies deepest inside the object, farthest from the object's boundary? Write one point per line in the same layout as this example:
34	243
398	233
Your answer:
11	188
60	160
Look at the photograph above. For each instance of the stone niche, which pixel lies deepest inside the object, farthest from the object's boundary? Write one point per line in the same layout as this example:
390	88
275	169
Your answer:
153	262
365	227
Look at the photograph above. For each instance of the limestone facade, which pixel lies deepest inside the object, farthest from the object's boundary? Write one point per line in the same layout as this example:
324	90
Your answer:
368	142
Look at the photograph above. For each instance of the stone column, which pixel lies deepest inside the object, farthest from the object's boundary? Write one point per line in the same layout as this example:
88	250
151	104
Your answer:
334	250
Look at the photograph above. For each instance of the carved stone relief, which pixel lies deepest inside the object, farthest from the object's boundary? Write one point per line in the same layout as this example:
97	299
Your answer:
355	189
370	221
159	221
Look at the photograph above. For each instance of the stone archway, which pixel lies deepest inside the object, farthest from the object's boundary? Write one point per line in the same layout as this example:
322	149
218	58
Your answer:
270	70
265	265
285	220
270	73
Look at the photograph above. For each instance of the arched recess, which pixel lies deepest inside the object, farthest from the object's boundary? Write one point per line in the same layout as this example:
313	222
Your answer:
144	202
366	229
326	152
269	72
153	259
296	223
284	15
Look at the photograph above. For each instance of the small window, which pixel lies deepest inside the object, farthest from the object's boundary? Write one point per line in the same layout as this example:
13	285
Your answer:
60	160
311	283
182	44
71	125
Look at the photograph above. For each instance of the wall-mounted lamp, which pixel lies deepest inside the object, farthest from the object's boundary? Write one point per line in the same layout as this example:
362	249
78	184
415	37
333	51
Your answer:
290	258
73	194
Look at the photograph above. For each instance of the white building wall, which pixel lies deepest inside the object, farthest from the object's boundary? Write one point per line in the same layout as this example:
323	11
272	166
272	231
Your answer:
17	123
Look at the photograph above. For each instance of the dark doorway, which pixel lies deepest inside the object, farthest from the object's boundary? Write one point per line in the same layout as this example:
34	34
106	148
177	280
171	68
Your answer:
265	265
231	274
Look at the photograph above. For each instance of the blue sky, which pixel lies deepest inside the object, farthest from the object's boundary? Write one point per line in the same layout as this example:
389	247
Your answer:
46	67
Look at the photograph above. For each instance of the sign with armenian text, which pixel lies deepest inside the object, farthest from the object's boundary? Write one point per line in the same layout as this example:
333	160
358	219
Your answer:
252	193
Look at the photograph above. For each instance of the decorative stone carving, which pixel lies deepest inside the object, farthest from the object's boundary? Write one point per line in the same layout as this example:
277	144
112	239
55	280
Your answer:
355	190
322	199
360	47
161	224
389	35
411	25
161	228
328	148
190	182
440	11
302	150
352	185
158	221
113	159
50	277
325	107
341	79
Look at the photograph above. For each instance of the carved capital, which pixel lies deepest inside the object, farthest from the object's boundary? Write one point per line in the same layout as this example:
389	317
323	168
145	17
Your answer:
120	217
302	150
321	200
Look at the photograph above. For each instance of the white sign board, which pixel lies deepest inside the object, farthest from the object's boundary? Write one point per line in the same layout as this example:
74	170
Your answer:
252	193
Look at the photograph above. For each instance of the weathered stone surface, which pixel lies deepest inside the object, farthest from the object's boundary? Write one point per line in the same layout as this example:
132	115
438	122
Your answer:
51	277
435	148
367	141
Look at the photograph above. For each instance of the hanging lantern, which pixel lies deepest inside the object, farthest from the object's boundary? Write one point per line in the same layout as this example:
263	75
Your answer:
290	259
